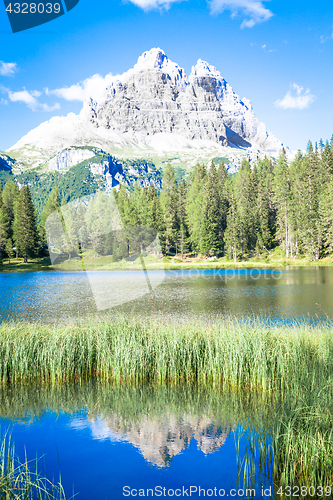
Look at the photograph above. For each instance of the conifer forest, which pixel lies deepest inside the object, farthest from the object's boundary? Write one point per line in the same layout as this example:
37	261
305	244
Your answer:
273	203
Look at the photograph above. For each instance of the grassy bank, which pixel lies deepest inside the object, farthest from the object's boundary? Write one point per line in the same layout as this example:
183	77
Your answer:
18	265
106	263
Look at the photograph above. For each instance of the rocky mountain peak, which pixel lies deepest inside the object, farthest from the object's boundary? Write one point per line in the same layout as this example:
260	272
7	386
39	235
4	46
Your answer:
156	59
153	58
204	69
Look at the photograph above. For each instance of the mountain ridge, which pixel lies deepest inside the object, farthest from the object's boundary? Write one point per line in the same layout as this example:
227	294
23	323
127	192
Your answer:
155	108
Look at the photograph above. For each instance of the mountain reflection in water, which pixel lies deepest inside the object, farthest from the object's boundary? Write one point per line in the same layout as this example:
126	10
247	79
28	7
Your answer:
105	436
159	440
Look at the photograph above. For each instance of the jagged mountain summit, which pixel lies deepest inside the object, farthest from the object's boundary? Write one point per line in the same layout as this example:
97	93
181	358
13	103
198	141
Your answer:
155	108
157	97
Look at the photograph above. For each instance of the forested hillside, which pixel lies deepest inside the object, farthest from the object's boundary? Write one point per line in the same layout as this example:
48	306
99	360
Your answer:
274	204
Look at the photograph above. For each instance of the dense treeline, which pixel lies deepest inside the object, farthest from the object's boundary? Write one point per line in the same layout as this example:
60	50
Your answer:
214	213
275	203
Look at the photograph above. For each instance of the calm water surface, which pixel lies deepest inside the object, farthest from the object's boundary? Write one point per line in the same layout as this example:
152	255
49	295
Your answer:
281	295
102	439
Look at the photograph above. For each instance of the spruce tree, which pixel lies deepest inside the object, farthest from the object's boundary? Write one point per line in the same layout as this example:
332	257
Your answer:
123	199
169	202
327	160
97	222
282	198
4	228
183	235
232	235
309	228
223	194
81	227
296	204
154	219
138	206
261	218
326	214
264	172
69	238
9	249
243	191
194	205
25	227
9	194
210	241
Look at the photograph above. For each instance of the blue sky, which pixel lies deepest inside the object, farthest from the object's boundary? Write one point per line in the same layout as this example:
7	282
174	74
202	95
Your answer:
276	53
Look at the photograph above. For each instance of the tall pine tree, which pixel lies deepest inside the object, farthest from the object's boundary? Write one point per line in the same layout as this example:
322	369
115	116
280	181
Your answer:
243	191
169	202
4	227
25	227
9	195
282	198
232	236
183	237
210	241
194	205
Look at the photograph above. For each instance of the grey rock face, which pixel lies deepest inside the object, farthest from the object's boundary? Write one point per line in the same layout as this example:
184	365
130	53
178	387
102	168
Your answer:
149	103
111	170
6	162
157	97
69	157
155	107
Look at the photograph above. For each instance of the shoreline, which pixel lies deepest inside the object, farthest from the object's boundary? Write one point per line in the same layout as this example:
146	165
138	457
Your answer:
102	264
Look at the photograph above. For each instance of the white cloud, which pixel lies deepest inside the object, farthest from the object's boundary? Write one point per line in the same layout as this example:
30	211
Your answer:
91	87
153	4
324	39
3	101
254	10
8	69
30	98
264	47
72	93
296	98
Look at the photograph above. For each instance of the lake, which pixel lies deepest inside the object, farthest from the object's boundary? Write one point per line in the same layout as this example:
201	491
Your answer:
116	442
278	295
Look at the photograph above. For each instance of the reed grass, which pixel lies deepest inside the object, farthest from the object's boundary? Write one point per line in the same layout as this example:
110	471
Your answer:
21	480
229	354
